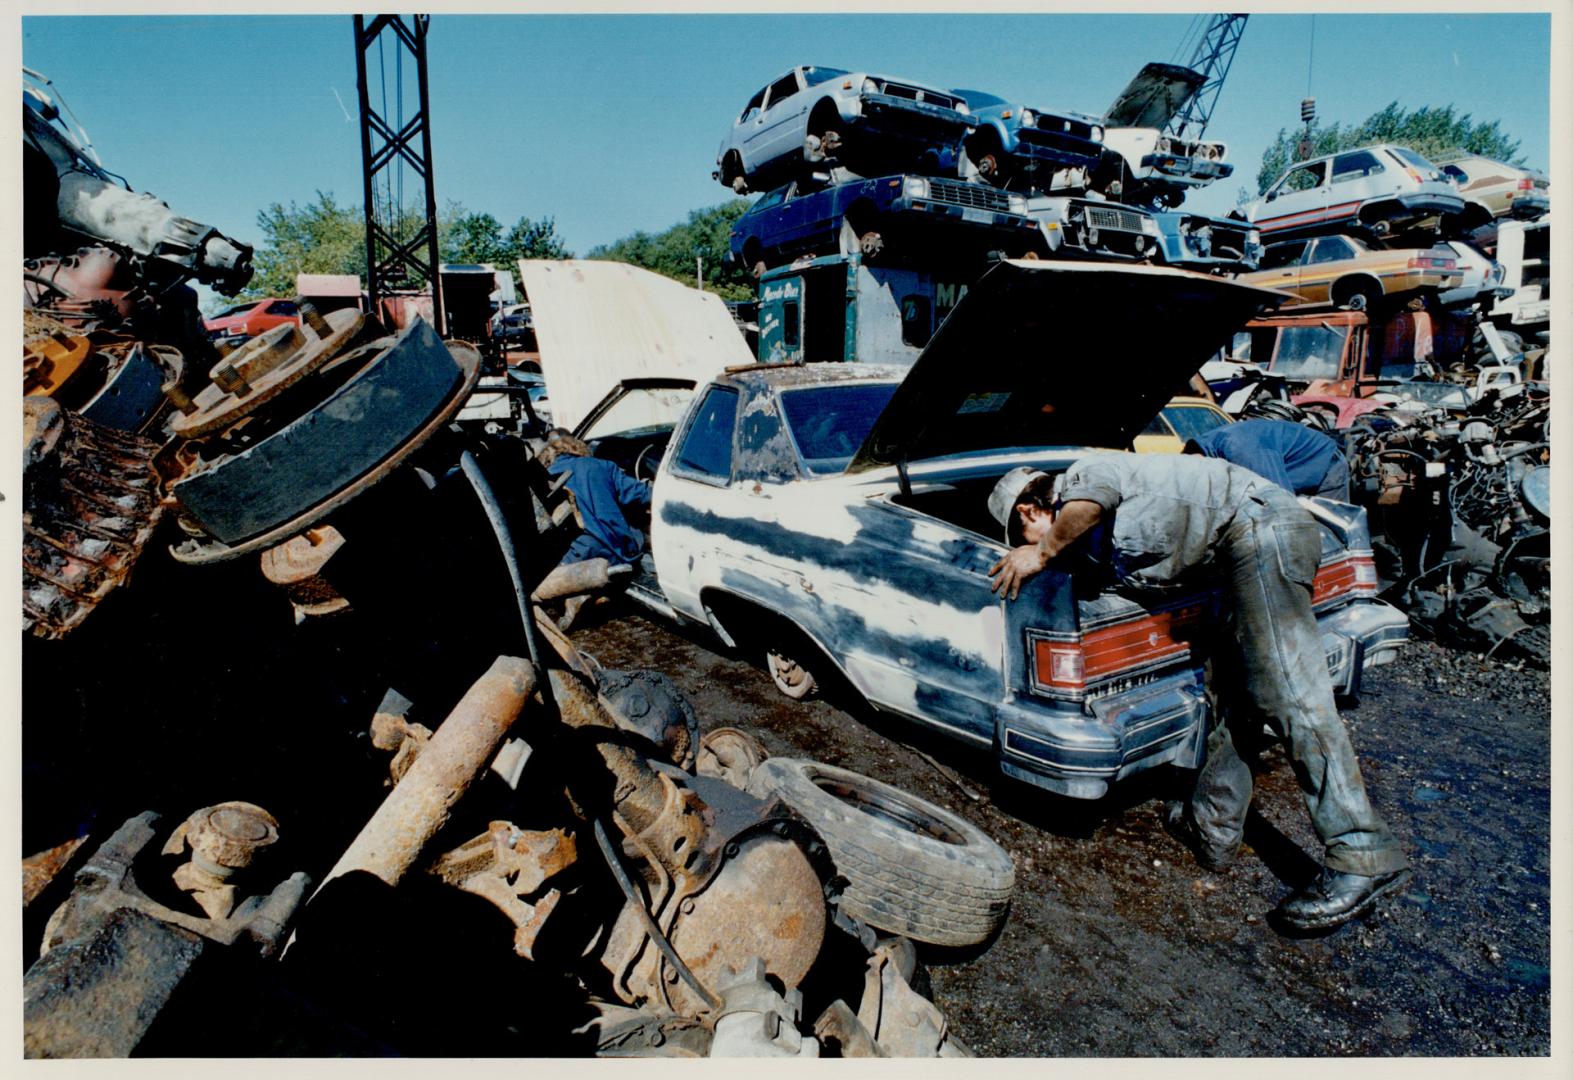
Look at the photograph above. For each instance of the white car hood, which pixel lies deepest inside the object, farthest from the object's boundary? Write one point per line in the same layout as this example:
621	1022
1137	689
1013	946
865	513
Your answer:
599	322
1151	99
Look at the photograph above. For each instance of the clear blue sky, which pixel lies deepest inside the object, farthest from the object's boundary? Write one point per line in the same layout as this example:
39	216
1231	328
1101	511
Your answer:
610	123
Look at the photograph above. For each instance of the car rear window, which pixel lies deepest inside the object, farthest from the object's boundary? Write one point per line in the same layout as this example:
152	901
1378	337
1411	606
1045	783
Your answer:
813	76
829	423
1420	164
1193	421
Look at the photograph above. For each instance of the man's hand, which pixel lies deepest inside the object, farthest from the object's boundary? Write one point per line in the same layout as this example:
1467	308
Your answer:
1017	566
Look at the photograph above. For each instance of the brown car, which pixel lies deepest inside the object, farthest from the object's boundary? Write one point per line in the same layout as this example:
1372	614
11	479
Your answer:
1343	272
1505	190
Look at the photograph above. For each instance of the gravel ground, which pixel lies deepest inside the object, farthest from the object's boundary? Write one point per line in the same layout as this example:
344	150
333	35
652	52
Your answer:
1119	944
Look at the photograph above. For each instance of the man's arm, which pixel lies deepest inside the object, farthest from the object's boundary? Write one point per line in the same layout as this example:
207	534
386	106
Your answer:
1074	519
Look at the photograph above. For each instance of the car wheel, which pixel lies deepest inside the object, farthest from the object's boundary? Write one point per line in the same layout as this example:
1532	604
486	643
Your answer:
871	244
912	868
790	676
740	185
989	166
1357	297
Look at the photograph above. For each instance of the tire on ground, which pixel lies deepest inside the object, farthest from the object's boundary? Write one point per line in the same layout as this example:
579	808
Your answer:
912	868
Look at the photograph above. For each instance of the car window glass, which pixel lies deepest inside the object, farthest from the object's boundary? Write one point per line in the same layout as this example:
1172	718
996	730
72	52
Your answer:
1309	352
753	104
281	307
1457	173
917	320
782	89
1157	426
1303	179
1193	421
1331	249
813	76
789	323
829	423
707	448
1281	255
644	410
1416	162
1354	165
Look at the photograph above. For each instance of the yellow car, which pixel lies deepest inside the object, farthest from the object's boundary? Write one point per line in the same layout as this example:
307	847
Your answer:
1343	272
1183	419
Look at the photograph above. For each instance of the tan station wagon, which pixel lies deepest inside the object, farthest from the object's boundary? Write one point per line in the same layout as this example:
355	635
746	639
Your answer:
1344	272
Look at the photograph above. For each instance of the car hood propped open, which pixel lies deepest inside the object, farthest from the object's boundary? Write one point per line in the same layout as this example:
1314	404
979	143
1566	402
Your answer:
1151	99
598	323
1057	354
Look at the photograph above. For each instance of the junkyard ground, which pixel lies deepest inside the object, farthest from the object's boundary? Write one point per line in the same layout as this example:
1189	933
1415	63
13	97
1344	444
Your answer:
1118	944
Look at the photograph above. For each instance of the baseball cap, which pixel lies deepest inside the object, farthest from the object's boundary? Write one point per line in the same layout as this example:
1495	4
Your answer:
1002	500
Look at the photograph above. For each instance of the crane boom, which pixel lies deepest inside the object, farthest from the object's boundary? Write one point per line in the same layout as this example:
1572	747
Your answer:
1213	55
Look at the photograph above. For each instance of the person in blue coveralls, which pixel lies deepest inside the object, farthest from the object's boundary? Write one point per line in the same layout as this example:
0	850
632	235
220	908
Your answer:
602	494
1291	455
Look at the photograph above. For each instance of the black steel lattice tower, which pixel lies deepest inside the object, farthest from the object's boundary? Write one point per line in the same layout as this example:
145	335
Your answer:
1214	53
401	248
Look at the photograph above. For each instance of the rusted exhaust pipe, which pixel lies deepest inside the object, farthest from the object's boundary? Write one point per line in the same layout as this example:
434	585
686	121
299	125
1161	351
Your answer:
459	752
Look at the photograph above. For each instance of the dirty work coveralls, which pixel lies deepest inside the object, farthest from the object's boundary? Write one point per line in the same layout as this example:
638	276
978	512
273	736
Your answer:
1291	455
601	490
1173	515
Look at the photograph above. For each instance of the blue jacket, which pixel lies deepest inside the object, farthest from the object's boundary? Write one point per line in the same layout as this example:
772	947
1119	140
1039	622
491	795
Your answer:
601	490
1290	455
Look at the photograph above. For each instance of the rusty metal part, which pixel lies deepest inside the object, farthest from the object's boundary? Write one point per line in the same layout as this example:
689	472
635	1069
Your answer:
651	705
901	1021
730	755
106	884
297	564
97	997
51	354
95	287
508	865
39	869
223	839
756	1021
91	502
622	1032
460	749
266	366
571	579
337	412
839	1029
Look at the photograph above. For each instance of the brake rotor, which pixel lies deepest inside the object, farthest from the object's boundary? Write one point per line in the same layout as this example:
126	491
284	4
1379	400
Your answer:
265	366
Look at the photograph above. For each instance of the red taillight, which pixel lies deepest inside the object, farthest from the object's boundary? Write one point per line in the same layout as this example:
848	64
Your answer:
1526	184
1155	638
1351	574
1060	666
1426	262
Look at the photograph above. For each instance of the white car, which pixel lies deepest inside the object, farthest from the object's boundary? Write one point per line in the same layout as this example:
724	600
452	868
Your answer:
812	116
1141	164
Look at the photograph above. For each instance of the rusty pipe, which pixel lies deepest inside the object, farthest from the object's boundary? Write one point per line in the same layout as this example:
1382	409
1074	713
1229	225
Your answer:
459	751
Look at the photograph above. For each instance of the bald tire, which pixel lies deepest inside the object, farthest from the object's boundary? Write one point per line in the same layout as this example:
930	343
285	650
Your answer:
912	868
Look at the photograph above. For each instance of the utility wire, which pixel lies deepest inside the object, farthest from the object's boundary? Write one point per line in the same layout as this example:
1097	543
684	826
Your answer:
1311	59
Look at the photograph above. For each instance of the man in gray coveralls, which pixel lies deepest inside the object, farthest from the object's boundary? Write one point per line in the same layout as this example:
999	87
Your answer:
1166	519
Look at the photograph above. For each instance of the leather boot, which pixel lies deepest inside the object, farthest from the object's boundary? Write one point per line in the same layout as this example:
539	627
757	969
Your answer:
1335	897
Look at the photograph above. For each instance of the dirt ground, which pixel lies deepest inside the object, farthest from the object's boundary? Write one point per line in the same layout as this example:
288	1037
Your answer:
1119	944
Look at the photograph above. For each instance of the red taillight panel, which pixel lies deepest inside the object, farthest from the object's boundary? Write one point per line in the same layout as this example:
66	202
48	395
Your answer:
1352	574
1108	651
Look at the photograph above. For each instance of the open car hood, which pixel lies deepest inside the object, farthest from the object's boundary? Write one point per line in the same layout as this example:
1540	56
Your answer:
1151	99
1058	354
597	323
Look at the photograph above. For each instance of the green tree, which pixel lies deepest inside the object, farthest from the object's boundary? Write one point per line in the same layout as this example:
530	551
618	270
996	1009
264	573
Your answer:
700	242
321	237
470	237
1431	132
535	240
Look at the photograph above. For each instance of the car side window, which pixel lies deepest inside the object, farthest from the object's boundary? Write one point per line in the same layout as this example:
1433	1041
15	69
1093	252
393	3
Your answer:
1456	173
1331	249
1278	256
753	105
282	307
707	445
1303	179
1354	165
783	88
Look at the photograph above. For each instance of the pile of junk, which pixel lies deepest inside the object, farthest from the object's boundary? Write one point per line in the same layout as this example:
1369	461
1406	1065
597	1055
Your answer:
307	770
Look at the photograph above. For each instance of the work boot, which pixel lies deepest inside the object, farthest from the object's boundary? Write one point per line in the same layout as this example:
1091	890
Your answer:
1178	823
1336	897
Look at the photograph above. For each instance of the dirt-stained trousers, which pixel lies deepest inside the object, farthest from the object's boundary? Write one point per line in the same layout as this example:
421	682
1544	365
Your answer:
1267	559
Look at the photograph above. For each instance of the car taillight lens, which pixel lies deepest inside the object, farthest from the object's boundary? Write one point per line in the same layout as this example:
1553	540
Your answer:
1061	667
1365	579
1526	184
1427	262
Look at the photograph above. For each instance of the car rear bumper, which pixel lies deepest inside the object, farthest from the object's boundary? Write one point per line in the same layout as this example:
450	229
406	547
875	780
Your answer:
1530	204
1360	635
1056	147
907	121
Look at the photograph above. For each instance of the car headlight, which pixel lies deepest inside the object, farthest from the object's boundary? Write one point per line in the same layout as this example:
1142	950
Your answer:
1028	119
1017	203
1150	226
1097	133
916	188
961	107
1254	238
870	86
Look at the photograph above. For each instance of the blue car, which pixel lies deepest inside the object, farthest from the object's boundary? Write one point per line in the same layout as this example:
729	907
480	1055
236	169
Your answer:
859	217
1012	139
1199	242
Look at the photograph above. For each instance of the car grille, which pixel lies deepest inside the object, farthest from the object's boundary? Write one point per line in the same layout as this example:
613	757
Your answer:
912	93
1049	125
1104	217
960	193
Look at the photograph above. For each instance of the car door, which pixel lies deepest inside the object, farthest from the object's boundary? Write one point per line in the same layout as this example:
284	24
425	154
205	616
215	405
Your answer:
745	132
782	124
1357	176
1280	266
1298	199
1327	260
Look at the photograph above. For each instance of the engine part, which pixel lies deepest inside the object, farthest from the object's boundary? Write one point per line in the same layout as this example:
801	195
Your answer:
223	839
756	1021
284	469
912	868
297	564
509	866
91	503
460	749
730	755
650	704
134	391
51	353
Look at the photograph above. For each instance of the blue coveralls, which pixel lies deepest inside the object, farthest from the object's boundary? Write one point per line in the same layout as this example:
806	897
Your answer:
1170	517
1292	456
601	490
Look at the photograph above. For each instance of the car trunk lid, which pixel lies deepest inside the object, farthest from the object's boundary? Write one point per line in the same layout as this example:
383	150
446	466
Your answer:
1057	354
1154	96
598	323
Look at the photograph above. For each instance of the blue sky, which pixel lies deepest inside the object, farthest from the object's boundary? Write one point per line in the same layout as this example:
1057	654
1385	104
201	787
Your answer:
610	123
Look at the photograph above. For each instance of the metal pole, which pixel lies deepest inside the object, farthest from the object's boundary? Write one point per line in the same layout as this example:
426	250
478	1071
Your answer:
372	289
421	23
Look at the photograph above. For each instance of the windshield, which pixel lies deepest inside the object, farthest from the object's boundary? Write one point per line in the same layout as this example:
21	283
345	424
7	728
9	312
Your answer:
647	409
813	76
829	423
236	309
977	99
1193	421
1309	352
1442	395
